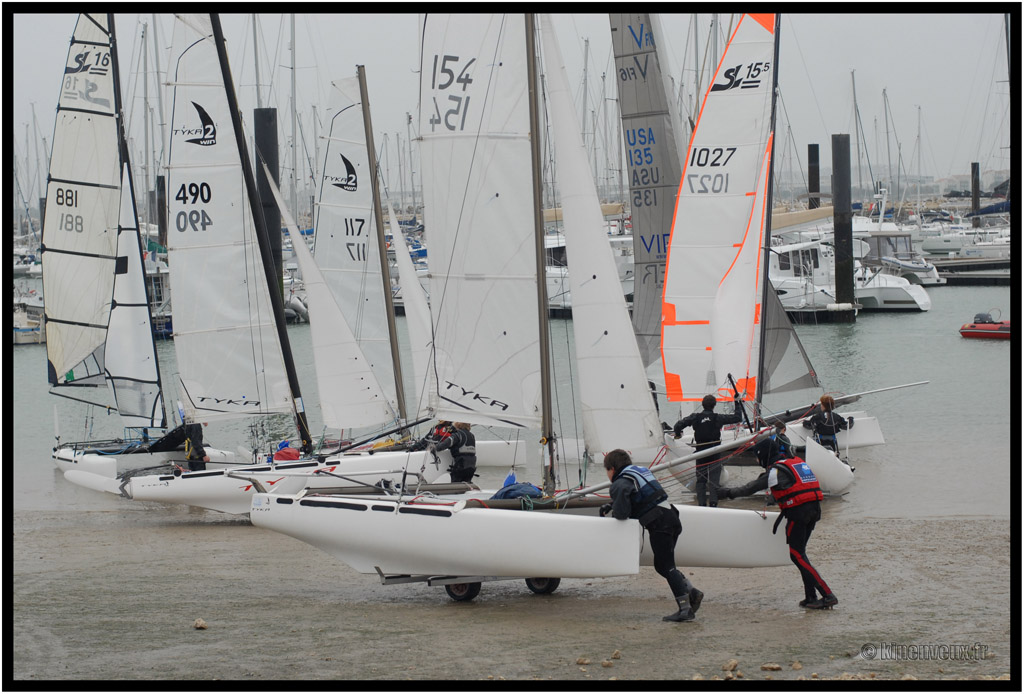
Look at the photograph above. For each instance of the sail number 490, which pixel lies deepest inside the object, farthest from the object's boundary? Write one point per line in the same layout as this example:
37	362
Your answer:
192	194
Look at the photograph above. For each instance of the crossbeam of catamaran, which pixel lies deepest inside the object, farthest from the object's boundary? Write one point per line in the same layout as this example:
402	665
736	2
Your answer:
668	464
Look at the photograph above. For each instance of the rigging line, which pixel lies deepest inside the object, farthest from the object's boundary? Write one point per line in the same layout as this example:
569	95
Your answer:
810	82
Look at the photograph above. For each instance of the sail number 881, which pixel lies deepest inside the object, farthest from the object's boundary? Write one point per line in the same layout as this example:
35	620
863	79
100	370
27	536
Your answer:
191	194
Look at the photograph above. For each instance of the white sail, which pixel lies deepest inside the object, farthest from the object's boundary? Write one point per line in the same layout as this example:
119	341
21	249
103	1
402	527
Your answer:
417	310
714	276
229	353
653	159
350	395
617	408
98	328
82	197
478	216
132	369
346	233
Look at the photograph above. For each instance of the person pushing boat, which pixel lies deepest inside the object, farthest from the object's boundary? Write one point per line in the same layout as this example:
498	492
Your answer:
637	494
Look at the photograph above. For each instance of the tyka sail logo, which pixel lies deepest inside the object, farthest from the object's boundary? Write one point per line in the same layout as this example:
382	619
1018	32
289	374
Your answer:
207	134
744	79
347	182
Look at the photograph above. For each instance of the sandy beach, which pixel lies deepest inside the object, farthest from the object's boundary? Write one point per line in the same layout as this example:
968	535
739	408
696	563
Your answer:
114	595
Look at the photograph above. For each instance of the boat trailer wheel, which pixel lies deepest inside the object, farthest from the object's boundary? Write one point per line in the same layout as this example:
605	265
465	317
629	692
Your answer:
543	586
462	592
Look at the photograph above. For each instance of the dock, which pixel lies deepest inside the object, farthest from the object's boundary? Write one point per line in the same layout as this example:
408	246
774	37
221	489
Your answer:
973	271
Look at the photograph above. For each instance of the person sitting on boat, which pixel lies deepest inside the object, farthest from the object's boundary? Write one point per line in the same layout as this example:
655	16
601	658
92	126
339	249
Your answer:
707	433
441	431
775	447
637	494
463	446
194	451
827	423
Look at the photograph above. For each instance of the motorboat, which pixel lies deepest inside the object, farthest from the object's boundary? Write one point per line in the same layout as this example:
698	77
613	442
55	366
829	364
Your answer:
984	327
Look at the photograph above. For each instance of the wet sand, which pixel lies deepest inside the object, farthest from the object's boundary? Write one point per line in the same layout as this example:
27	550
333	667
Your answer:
114	594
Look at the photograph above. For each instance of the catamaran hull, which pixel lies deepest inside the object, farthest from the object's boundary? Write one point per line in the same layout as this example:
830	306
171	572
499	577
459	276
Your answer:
113	464
725	537
834	476
230	489
865	432
450	540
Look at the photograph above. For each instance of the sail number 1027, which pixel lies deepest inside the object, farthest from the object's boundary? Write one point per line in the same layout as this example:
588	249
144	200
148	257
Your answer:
193	194
708	157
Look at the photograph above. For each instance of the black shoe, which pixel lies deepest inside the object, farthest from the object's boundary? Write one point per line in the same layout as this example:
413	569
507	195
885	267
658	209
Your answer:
695	597
825	603
685	613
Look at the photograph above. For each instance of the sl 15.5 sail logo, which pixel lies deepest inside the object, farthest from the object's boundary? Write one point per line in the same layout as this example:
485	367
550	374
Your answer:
347	182
207	134
744	79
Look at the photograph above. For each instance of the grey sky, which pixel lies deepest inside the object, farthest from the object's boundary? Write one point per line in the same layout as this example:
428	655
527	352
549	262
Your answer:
951	65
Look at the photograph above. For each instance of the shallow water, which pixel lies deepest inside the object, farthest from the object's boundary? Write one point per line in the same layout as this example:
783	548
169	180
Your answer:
947	446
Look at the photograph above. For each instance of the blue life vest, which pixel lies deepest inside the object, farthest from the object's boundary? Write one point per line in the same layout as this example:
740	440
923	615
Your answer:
648	492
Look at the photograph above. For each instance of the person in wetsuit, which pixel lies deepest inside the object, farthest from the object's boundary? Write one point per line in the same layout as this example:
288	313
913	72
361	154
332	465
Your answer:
463	446
707	433
827	424
775	447
635	493
195	453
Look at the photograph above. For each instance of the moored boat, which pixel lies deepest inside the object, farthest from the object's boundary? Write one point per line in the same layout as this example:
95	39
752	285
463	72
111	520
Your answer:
986	328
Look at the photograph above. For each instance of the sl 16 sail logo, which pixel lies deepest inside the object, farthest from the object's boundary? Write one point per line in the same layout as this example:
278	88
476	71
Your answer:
207	134
750	79
347	182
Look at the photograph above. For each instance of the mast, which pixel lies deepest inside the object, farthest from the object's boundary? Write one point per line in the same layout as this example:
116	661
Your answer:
382	245
159	92
122	145
412	180
856	130
264	238
145	119
547	435
766	285
295	118
256	60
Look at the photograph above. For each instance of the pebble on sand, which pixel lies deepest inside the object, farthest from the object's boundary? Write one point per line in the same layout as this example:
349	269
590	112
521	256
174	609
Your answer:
583	661
199	624
730	665
771	666
796	665
607	663
617	654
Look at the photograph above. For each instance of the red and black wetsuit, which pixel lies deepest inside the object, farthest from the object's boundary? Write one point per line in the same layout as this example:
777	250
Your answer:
797	492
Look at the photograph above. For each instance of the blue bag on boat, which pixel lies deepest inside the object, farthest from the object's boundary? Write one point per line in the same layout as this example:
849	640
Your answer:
514	491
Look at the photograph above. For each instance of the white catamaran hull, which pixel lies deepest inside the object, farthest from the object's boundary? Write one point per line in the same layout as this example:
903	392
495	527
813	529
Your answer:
865	432
112	464
230	490
450	540
725	537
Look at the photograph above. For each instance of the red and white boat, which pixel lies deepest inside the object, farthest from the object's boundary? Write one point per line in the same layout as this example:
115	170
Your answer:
985	327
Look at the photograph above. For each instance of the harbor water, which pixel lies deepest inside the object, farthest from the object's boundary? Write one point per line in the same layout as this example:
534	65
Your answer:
106	588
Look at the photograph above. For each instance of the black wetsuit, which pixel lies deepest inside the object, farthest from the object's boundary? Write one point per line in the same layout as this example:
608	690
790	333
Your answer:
463	445
707	433
194	446
826	425
663	528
